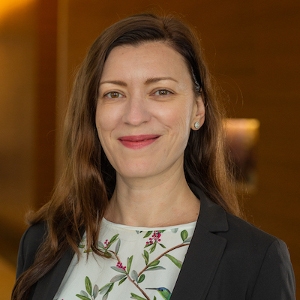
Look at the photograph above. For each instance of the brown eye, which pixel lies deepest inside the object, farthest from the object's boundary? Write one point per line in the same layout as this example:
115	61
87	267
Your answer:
113	95
162	93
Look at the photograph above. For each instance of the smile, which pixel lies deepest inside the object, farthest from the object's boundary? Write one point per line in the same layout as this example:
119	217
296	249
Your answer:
138	141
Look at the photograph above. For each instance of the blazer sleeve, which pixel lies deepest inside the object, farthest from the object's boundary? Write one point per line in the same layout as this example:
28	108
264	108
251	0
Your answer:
276	279
29	244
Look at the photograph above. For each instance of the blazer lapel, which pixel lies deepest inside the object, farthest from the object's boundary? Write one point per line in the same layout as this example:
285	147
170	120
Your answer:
204	253
47	286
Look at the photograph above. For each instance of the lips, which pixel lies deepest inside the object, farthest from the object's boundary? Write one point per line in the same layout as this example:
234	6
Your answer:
138	141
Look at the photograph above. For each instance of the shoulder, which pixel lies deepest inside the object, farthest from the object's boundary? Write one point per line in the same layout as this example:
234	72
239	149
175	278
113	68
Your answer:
251	257
33	237
254	242
238	232
263	256
245	240
245	232
29	244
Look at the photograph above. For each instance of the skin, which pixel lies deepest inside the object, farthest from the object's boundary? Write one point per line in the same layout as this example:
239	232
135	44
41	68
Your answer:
147	90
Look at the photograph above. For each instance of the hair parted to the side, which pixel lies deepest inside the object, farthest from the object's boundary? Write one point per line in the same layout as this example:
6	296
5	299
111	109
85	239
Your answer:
82	194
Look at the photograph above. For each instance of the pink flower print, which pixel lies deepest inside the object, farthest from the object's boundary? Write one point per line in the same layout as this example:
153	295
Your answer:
120	265
106	242
154	238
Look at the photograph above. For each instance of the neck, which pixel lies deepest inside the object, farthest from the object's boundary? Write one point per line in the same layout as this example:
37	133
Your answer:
153	203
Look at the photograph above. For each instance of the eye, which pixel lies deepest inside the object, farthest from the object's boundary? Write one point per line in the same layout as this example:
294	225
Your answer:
162	92
113	95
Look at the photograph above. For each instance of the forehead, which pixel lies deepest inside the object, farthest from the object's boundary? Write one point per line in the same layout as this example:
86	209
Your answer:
149	56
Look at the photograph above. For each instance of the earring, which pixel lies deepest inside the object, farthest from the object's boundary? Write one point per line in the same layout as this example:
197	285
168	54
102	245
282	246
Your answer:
197	125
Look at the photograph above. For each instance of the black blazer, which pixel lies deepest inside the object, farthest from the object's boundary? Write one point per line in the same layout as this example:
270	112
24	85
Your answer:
228	259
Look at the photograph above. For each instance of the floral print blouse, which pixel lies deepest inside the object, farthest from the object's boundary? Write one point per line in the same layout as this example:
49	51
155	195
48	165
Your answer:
137	263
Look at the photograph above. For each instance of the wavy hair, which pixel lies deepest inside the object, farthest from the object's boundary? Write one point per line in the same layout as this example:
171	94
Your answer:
82	194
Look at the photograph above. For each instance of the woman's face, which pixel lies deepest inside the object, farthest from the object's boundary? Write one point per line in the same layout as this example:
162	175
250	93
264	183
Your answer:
146	108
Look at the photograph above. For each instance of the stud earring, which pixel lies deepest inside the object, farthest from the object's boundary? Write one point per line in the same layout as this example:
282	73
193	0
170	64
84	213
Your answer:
197	125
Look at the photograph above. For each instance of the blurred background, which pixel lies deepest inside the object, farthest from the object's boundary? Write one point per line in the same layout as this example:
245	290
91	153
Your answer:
252	48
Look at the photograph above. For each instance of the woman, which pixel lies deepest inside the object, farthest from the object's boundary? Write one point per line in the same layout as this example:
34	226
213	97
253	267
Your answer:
145	208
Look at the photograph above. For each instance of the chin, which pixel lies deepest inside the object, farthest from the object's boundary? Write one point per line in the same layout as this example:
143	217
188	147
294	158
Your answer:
137	174
138	171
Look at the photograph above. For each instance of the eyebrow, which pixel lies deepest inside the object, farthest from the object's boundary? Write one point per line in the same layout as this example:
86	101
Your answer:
148	81
157	79
117	82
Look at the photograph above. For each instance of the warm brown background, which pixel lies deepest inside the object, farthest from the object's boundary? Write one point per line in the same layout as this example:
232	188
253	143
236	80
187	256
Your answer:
252	48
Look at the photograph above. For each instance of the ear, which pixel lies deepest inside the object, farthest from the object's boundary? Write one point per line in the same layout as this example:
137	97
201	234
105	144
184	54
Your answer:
198	113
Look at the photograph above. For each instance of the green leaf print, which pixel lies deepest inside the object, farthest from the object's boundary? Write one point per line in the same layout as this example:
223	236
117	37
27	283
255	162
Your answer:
121	281
88	285
83	297
88	251
153	248
177	262
112	240
120	270
106	288
141	278
154	263
184	235
118	246
107	254
129	262
134	275
95	291
117	278
187	240
91	293
146	257
134	296
147	234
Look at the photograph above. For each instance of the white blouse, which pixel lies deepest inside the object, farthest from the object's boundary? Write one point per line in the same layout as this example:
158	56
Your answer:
138	263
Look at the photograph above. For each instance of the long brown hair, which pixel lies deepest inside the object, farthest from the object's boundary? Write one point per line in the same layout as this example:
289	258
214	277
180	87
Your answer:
82	194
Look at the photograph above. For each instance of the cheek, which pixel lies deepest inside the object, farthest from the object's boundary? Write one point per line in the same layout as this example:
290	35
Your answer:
104	127
106	119
105	123
179	119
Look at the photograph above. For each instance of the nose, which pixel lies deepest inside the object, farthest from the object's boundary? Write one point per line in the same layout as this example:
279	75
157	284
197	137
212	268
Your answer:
136	111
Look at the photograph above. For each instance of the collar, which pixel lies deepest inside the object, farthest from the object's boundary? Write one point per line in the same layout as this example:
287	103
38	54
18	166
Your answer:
212	216
204	253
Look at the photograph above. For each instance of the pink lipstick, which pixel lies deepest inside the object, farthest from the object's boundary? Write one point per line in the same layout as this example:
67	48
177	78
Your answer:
138	141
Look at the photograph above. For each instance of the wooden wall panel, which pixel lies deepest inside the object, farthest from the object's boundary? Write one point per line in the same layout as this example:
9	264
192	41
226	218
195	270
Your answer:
28	58
18	45
45	105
